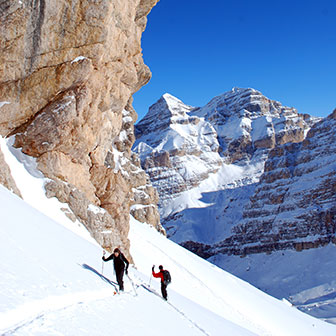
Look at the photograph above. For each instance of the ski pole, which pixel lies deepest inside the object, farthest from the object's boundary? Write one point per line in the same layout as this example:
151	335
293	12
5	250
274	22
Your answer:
103	263
132	284
150	279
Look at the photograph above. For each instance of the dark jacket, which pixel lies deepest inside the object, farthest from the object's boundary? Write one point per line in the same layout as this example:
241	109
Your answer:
118	262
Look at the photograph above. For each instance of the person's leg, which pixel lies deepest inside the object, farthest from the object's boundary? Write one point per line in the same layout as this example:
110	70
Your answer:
119	275
164	290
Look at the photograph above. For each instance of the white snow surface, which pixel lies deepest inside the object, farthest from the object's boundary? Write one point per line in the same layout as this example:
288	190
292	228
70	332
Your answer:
306	278
2	103
53	282
79	58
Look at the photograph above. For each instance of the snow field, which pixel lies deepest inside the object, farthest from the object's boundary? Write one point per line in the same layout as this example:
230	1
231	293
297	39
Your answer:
306	278
221	292
54	286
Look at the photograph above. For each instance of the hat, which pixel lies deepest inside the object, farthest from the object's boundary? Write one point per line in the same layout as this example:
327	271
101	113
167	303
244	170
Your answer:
161	267
116	250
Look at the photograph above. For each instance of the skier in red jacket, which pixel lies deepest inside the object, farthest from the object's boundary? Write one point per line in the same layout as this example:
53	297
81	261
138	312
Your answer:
163	284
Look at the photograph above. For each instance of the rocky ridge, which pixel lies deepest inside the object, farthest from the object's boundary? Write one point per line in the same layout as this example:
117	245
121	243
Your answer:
248	123
67	74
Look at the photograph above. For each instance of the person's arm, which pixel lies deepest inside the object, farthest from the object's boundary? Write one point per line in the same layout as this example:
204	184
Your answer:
155	275
109	258
123	258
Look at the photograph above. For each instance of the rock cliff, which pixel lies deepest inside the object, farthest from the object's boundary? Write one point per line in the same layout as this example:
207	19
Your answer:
68	70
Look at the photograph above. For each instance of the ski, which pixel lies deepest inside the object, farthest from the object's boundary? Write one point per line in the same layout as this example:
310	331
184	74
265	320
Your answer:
133	286
153	291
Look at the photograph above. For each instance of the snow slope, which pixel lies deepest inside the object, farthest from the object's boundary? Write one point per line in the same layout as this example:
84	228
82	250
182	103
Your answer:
54	286
53	283
306	278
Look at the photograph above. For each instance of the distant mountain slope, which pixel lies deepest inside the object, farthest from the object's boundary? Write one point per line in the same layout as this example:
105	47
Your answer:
248	123
306	278
294	204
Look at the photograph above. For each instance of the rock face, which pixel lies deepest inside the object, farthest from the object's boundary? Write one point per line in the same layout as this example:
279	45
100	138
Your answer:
294	205
68	70
249	124
206	162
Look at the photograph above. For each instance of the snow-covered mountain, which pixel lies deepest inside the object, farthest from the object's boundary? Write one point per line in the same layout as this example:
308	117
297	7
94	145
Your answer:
272	190
60	285
177	150
210	159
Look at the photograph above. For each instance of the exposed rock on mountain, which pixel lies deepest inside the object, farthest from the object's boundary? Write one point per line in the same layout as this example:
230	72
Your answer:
177	150
248	123
207	162
68	70
294	205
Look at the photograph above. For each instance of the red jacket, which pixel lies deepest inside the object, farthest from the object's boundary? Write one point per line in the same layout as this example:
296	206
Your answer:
158	275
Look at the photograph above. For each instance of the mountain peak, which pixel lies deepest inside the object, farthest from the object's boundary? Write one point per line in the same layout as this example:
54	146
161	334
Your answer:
243	90
244	102
333	114
173	104
161	114
169	97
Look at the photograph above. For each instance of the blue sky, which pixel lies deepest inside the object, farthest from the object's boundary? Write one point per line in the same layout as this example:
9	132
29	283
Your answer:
286	49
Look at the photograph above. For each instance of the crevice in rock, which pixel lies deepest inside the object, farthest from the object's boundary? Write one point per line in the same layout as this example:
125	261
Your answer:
37	18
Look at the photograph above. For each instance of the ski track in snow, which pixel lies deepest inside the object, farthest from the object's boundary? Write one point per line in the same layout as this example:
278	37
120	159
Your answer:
149	289
28	313
220	300
153	291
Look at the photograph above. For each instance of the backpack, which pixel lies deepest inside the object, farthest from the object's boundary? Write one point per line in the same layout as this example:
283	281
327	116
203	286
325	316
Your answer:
166	277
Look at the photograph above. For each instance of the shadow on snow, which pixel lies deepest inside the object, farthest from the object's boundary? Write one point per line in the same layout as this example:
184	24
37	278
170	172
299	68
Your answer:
93	270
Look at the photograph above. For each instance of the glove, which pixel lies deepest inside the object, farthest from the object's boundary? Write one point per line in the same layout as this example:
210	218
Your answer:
103	258
153	268
126	271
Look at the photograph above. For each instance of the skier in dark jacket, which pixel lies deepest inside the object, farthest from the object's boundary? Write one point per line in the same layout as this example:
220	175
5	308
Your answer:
163	285
119	261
